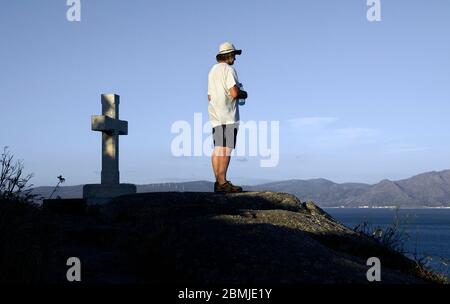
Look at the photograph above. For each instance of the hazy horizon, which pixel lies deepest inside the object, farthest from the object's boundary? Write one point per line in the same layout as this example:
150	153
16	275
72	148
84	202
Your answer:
248	182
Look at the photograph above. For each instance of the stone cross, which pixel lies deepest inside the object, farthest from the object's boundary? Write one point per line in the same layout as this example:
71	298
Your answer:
111	127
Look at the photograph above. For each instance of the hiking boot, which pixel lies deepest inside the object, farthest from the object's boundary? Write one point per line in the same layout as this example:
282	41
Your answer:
227	187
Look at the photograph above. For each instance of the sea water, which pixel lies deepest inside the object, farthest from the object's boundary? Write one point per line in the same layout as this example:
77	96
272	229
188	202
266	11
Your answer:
427	230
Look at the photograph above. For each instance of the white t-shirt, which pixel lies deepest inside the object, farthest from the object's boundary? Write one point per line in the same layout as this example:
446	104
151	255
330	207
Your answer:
222	109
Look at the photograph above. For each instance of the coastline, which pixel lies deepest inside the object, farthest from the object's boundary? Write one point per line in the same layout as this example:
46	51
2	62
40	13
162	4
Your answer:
385	207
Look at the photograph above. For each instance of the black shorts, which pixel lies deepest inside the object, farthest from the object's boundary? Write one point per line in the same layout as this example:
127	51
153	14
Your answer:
225	135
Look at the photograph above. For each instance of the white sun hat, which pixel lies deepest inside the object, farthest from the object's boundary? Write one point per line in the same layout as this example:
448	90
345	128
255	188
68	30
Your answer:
228	47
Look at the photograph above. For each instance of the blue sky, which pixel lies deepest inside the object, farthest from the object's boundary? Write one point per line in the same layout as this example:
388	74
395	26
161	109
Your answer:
357	101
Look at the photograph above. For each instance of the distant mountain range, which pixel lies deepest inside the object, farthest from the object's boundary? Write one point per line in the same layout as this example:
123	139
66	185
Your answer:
431	189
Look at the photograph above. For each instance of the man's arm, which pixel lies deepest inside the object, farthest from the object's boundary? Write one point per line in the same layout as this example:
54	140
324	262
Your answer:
237	93
232	82
234	91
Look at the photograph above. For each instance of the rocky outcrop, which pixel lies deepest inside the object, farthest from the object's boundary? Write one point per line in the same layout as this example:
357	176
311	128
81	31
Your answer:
253	237
188	238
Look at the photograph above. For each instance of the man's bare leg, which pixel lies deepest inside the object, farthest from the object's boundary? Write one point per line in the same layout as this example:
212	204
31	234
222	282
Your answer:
215	163
223	165
220	161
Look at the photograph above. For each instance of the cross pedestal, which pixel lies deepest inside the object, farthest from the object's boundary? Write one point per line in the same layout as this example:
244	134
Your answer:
111	127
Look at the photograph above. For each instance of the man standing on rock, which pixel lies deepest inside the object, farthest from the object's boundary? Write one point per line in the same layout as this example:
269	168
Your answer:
223	93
